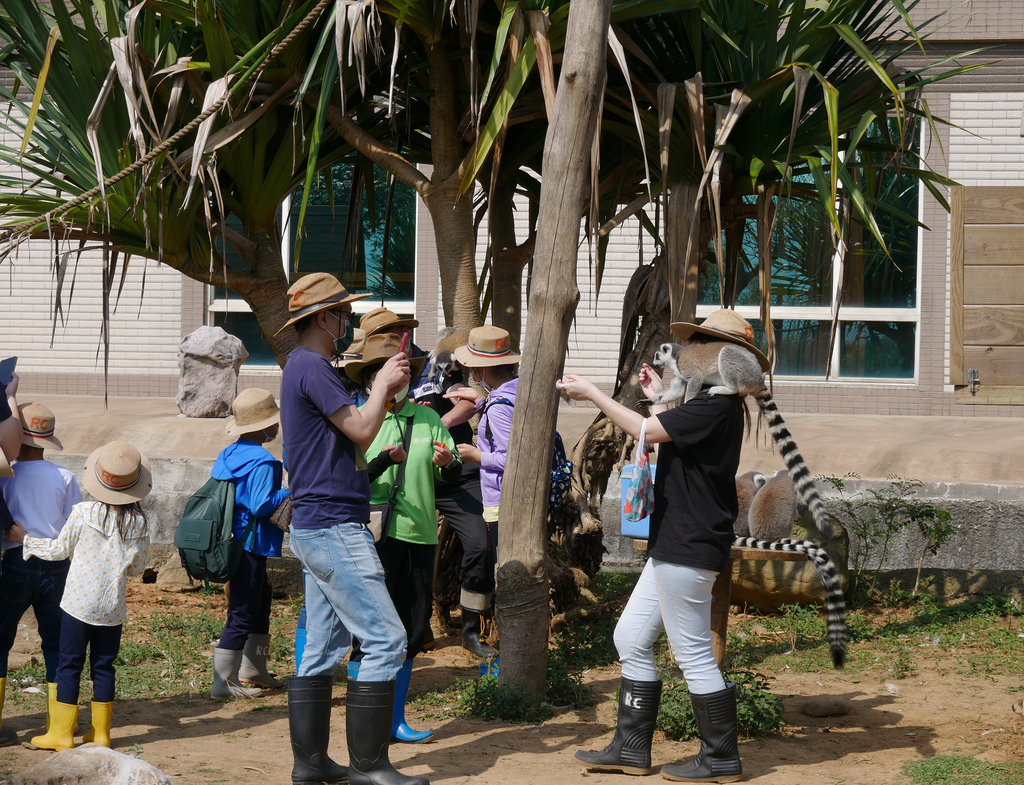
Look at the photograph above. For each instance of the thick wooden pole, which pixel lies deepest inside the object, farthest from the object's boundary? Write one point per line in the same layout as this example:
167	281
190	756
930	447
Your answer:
522	591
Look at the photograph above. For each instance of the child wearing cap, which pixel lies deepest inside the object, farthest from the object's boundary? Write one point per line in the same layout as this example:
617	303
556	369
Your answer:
241	653
108	542
40	496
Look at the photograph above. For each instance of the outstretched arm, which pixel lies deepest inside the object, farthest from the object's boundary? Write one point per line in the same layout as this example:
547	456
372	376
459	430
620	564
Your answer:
581	389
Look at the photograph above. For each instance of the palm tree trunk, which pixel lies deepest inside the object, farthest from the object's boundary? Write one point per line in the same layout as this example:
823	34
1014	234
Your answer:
455	238
508	261
522	591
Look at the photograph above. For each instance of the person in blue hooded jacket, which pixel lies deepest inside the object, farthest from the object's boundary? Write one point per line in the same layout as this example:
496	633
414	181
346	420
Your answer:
241	654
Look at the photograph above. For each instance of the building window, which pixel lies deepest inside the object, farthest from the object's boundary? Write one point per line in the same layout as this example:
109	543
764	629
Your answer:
356	258
878	329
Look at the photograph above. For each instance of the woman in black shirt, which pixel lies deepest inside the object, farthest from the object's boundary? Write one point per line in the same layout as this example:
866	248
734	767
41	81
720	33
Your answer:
691	533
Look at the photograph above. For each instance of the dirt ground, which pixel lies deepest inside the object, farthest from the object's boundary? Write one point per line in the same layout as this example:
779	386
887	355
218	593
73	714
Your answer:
199	740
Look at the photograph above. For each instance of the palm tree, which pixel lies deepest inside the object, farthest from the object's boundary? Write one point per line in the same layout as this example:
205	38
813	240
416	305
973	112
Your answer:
175	190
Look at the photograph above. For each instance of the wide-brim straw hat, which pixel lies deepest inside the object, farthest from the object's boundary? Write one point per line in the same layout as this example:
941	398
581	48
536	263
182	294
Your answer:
314	293
117	473
379	319
253	409
725	325
37	427
485	347
378	350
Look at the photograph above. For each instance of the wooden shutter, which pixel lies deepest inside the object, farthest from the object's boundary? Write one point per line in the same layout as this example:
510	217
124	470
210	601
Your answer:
987	294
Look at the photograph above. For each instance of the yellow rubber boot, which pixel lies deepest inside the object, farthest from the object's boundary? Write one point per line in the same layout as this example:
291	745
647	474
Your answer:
100	732
7	737
59	736
51	698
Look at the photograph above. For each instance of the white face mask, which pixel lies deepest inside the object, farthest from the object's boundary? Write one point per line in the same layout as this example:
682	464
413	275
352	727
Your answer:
480	381
400	395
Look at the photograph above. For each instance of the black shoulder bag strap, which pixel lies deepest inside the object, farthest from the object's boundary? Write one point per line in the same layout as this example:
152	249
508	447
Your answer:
400	476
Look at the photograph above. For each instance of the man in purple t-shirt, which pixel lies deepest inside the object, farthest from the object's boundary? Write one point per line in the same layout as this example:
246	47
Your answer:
325	436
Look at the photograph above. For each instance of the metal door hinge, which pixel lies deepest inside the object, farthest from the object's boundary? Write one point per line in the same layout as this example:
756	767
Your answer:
973	382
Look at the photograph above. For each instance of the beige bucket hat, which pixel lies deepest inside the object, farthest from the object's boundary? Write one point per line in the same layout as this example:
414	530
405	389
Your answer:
253	409
725	325
380	319
485	347
316	292
37	427
117	473
378	350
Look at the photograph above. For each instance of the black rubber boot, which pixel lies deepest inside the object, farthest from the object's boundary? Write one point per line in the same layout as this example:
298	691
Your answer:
309	725
369	708
472	636
719	756
630	749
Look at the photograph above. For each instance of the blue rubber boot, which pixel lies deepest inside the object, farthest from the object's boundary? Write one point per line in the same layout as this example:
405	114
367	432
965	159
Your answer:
400	731
300	646
353	670
300	637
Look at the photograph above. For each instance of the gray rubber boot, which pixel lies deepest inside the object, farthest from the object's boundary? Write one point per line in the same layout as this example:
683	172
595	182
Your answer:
719	756
253	669
225	676
630	748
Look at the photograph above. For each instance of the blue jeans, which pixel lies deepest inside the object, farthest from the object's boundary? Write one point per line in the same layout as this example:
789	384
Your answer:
346	595
37	584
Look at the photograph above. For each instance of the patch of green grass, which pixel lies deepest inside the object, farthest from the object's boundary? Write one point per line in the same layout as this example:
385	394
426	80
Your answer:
957	770
486	699
981	635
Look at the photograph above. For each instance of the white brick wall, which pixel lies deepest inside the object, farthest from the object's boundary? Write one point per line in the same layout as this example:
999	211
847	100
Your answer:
145	330
985	145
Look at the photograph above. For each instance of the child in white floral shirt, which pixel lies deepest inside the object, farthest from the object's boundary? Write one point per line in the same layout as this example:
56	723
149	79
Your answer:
108	542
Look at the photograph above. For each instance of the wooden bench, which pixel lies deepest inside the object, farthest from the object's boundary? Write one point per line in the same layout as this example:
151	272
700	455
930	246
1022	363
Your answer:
722	591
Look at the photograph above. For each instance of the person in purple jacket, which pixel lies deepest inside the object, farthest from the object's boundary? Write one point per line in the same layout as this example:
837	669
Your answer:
488	355
241	654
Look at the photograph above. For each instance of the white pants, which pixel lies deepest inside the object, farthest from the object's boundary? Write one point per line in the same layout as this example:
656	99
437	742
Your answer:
676	599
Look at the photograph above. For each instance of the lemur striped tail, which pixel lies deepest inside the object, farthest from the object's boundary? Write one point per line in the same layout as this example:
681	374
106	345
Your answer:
806	490
835	604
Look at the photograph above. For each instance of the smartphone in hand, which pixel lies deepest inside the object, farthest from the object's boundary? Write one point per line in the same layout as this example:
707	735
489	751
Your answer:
7	370
404	345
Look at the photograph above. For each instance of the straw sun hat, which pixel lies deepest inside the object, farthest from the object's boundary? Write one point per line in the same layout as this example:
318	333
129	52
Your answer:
253	409
378	350
485	347
380	319
314	293
117	473
37	426
725	325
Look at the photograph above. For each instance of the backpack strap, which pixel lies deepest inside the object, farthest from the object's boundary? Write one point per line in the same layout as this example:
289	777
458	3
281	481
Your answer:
496	400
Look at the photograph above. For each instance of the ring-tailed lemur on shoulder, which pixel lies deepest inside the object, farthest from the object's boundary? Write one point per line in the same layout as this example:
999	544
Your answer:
733	370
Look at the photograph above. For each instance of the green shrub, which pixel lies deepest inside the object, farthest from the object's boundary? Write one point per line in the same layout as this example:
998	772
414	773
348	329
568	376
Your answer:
758	712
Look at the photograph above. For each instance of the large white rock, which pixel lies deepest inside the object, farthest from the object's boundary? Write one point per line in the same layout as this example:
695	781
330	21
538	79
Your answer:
92	764
209	359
